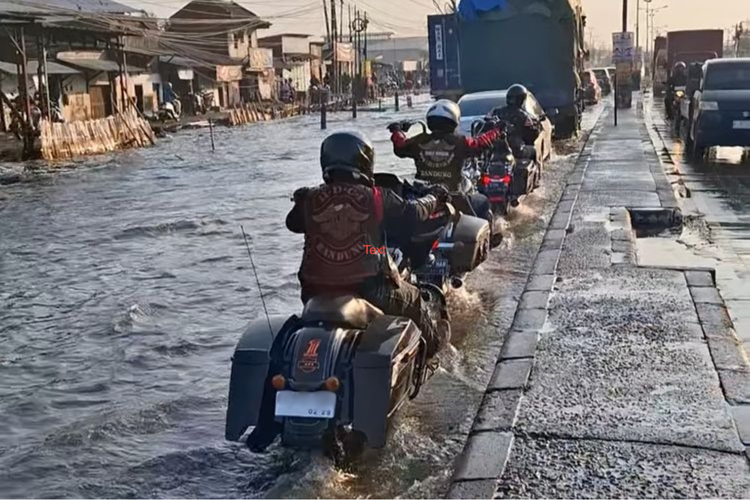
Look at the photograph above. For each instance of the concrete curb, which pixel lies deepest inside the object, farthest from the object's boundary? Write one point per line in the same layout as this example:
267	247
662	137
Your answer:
487	450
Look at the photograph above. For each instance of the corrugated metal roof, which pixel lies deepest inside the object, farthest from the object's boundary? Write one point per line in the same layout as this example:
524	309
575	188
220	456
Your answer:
53	68
36	7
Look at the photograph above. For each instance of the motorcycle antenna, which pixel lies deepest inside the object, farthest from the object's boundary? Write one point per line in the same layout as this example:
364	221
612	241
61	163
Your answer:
257	280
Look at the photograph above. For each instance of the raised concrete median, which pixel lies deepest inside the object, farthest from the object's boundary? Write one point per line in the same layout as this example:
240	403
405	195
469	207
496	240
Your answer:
615	380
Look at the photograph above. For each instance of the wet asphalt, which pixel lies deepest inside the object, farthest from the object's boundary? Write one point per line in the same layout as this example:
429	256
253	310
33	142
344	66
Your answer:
126	285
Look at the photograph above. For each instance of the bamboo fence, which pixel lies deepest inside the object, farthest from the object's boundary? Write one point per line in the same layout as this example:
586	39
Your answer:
68	140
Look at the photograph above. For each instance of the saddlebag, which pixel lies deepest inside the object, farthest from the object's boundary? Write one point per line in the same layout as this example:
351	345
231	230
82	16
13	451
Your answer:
250	364
384	374
469	234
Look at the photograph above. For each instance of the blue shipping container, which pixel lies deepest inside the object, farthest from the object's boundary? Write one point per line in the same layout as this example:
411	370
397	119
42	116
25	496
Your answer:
445	62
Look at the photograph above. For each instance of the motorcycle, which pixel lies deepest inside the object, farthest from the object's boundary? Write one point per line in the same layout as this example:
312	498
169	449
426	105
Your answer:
334	377
500	176
170	110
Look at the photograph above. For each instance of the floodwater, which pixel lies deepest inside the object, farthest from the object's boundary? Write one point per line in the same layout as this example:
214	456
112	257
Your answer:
125	286
716	196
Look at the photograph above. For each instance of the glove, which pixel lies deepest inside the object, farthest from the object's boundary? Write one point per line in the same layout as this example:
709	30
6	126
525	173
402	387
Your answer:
406	125
300	194
394	127
441	193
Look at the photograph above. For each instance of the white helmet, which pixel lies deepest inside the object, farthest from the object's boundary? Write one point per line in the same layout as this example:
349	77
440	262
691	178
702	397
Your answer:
443	116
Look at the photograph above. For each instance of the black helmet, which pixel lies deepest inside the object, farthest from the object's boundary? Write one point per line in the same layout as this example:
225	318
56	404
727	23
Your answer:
349	153
679	67
516	96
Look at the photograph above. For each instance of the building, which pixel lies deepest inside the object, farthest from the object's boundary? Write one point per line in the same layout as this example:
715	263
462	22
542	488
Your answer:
217	41
396	50
292	57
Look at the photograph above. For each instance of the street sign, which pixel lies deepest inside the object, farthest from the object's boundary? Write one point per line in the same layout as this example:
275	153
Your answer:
623	47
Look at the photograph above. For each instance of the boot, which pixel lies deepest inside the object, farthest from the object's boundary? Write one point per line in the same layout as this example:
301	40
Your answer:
263	436
439	338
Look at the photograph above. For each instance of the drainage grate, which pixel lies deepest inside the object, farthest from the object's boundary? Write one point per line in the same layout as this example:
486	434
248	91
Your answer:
656	222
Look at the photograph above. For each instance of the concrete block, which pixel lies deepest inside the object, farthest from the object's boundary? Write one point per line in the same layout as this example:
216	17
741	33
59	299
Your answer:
553	243
699	278
511	374
728	353
741	415
713	315
622	246
565	207
498	411
534	300
482	489
559	221
621	235
736	384
541	283
618	258
520	343
529	319
484	456
546	262
706	295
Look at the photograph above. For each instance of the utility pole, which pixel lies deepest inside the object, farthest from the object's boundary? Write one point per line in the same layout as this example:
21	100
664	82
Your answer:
328	26
637	25
336	83
624	16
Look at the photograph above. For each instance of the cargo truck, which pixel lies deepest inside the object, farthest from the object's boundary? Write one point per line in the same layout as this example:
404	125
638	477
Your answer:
538	43
689	47
659	68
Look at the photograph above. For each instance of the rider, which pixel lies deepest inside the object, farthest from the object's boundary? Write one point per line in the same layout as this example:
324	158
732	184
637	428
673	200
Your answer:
440	154
343	222
678	78
526	129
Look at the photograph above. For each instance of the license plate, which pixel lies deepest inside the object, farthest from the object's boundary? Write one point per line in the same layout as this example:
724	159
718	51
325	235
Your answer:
741	124
441	263
321	404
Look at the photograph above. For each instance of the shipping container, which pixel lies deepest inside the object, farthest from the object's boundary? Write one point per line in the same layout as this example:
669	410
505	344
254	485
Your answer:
694	46
445	68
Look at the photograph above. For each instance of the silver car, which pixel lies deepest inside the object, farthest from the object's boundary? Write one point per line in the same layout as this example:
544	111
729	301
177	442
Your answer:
480	104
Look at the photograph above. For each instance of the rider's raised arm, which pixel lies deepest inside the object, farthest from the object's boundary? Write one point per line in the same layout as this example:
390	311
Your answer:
476	145
396	209
295	220
403	147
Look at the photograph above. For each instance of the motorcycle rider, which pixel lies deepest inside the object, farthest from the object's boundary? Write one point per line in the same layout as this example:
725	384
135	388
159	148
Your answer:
677	78
440	154
526	129
343	221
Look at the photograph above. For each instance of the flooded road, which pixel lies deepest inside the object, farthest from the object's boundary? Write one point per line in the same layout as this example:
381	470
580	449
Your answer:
716	190
125	286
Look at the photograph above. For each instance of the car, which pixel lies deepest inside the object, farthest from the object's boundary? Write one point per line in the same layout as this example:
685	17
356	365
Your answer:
605	81
592	92
721	107
478	105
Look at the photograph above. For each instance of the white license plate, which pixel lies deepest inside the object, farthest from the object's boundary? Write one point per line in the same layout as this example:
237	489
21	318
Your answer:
741	124
321	404
441	263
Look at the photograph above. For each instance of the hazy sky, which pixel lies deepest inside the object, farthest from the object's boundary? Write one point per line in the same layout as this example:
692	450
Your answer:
408	16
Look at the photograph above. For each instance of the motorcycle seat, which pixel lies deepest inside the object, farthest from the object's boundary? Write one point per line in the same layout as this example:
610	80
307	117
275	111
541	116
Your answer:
344	310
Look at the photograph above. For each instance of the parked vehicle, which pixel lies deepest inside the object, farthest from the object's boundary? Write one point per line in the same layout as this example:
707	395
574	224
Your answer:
476	106
495	51
592	92
721	107
605	80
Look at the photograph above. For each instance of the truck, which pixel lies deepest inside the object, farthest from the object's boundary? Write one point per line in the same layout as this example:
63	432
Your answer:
658	66
690	47
537	43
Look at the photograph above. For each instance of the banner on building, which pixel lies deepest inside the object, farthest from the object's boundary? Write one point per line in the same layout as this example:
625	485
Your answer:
260	59
623	47
228	73
185	74
409	66
344	52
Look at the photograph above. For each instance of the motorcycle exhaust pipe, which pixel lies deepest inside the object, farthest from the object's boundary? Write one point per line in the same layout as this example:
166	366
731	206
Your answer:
514	202
457	282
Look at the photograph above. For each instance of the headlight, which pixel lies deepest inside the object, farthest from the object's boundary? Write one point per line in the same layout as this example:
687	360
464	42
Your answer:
680	94
709	106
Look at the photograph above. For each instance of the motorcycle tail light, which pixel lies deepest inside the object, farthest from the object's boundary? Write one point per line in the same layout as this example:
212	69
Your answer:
506	179
485	180
278	382
332	384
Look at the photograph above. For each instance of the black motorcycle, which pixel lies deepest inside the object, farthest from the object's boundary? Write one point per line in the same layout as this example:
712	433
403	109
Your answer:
334	376
499	175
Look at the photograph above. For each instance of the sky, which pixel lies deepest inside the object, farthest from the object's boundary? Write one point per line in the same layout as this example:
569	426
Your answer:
407	17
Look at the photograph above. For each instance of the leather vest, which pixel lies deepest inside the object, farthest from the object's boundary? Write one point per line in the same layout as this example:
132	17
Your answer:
342	233
440	160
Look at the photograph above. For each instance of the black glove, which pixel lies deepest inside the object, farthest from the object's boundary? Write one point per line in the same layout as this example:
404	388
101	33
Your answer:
406	125
299	195
394	127
441	193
